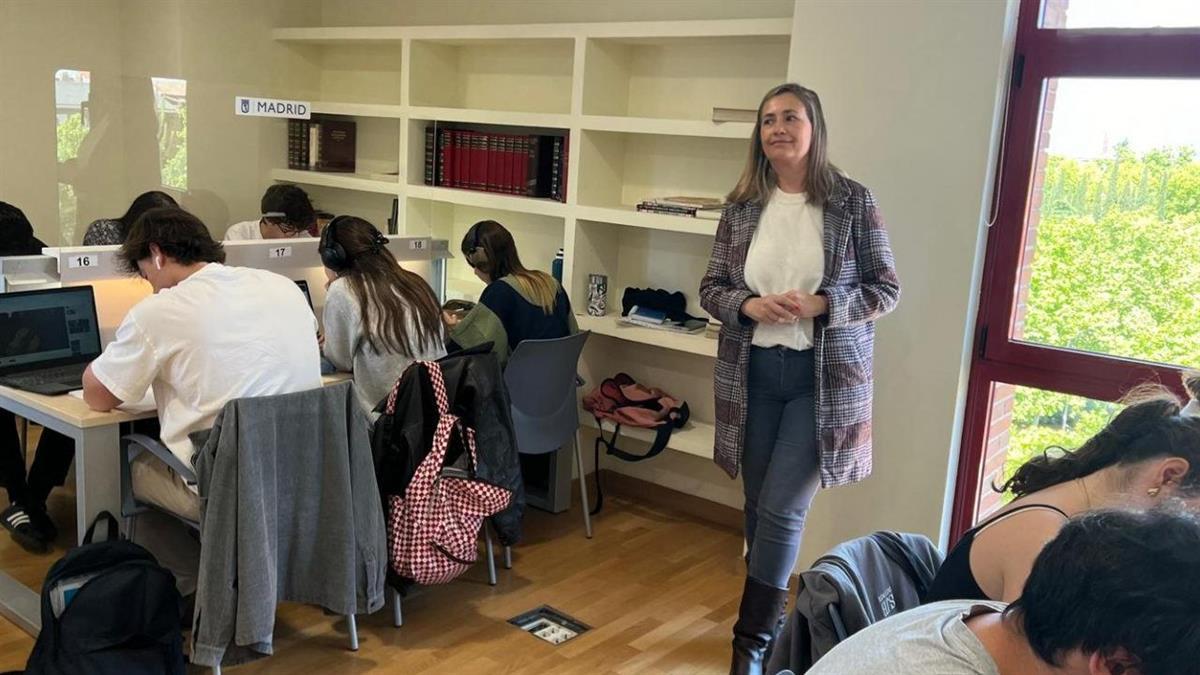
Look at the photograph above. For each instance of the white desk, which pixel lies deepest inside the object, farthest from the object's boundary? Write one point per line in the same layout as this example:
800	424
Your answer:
97	438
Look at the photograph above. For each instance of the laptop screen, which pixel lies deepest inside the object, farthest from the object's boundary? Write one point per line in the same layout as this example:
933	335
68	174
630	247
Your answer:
41	328
304	287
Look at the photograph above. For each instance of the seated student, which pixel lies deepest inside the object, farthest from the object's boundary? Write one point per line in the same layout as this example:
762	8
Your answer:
111	232
378	317
286	213
25	517
208	335
1113	593
517	304
1148	454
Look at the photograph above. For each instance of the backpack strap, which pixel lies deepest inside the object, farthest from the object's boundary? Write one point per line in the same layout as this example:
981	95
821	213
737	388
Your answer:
676	418
114	531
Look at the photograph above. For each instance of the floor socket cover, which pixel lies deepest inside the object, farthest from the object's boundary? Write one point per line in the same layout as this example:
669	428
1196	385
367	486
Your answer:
549	624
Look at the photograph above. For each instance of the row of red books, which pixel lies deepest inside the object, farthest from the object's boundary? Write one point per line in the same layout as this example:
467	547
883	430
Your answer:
529	165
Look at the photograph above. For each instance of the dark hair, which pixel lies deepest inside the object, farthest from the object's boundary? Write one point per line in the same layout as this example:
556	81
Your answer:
388	296
16	232
1117	580
293	203
1148	428
153	199
758	178
177	233
489	246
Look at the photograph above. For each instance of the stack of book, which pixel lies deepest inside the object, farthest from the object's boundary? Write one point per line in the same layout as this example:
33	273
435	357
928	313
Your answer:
322	144
529	165
708	208
652	318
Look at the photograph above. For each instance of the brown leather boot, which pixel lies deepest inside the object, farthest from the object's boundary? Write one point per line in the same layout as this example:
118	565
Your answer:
758	618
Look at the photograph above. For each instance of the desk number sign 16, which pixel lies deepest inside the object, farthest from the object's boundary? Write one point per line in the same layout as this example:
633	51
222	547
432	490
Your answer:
83	261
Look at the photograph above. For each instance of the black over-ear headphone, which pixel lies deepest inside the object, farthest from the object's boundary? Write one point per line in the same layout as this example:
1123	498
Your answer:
477	255
334	255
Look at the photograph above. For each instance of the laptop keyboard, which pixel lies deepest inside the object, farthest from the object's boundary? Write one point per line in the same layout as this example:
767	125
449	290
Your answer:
65	374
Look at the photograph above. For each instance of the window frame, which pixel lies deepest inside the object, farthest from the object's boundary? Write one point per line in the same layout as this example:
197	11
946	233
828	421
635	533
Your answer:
1042	54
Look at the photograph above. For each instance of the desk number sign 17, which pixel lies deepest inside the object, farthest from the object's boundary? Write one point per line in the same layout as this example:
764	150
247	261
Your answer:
83	261
280	252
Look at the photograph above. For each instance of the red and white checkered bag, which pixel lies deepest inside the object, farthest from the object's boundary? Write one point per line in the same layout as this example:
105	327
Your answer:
434	527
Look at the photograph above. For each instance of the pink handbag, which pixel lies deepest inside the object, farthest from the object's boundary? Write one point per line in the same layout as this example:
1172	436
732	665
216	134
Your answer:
434	527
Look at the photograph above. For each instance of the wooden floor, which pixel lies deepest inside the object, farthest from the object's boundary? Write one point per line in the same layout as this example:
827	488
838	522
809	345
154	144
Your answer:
660	590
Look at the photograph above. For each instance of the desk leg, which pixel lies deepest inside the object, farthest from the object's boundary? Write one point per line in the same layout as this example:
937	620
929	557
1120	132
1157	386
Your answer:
97	475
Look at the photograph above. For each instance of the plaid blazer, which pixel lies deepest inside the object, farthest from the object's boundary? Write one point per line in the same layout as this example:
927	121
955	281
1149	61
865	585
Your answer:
860	284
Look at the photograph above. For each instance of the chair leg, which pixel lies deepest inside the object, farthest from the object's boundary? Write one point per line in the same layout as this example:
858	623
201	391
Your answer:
397	616
508	557
353	627
491	556
216	670
583	495
130	526
24	437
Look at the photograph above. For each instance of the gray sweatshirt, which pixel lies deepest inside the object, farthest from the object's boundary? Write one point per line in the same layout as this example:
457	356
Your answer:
289	512
347	348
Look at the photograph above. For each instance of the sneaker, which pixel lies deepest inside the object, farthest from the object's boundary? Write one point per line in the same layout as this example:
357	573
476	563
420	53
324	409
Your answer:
23	529
42	522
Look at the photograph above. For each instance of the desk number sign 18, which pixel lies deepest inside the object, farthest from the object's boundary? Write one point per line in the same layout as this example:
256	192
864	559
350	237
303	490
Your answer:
279	252
83	261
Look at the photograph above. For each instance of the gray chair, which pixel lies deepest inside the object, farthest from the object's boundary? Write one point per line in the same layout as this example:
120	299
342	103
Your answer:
541	380
133	445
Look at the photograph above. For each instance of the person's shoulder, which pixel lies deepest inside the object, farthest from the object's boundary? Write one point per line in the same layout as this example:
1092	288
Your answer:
247	229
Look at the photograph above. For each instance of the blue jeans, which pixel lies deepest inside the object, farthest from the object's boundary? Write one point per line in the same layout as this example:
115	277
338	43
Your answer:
780	462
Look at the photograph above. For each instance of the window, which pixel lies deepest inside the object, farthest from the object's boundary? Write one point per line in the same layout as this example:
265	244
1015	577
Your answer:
71	91
170	108
1092	263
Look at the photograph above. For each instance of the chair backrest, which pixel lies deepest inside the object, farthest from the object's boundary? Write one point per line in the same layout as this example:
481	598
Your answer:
540	377
851	587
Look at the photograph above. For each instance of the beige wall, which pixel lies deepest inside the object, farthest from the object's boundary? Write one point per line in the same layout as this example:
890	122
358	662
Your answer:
221	47
911	94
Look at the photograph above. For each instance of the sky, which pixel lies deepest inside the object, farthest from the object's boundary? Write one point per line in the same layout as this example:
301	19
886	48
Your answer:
1093	115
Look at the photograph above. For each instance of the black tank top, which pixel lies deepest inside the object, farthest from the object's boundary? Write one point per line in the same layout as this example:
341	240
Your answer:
955	580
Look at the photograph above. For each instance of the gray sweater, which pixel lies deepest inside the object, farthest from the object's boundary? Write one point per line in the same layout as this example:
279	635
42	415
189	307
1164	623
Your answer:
289	511
347	348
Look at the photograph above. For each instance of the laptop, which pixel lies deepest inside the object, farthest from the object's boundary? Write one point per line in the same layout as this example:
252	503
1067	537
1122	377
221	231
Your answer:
47	338
304	287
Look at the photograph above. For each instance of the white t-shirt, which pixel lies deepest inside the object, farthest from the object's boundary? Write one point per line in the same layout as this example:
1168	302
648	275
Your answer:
243	231
933	638
222	333
787	253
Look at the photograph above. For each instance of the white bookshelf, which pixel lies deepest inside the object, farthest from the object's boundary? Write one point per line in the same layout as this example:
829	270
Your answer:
635	100
609	326
695	438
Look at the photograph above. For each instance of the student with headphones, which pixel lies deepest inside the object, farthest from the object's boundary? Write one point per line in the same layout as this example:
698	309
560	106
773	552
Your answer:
518	304
378	316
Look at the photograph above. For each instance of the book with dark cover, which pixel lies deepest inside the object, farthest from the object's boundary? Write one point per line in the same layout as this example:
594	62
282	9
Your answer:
443	155
493	171
336	145
431	153
555	167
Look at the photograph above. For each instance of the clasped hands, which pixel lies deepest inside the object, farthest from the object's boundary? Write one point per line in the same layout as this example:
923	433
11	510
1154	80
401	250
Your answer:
787	307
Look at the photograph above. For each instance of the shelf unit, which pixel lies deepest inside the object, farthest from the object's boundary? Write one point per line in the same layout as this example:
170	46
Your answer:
634	98
695	438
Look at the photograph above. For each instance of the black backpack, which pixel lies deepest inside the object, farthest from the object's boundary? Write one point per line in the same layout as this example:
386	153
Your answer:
120	615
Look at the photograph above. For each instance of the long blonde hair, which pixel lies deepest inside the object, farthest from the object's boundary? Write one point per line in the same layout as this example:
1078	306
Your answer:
758	179
489	246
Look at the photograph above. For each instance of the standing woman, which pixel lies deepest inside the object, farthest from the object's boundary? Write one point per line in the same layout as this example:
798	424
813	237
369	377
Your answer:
800	270
379	317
